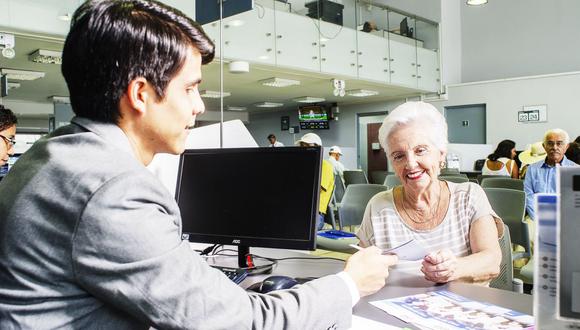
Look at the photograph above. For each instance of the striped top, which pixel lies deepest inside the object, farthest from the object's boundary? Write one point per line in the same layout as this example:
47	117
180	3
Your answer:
384	227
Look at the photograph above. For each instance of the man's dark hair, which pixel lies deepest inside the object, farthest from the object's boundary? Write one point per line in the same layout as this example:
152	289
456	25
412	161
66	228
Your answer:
573	152
112	42
7	118
504	149
271	136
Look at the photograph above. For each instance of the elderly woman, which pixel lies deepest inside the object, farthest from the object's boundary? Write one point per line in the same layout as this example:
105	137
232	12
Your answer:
7	132
453	222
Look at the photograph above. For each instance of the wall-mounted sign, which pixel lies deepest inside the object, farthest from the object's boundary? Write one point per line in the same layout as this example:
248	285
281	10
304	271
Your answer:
533	114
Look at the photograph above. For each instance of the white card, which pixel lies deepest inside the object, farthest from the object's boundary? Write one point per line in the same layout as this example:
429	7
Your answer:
411	251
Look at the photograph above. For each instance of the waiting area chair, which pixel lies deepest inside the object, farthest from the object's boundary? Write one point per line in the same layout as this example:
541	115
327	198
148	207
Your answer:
480	177
454	178
503	182
510	205
338	189
378	177
354	203
354	177
391	181
505	280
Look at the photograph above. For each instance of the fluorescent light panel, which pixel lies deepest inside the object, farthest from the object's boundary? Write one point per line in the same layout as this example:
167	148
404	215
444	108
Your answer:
476	2
213	94
232	108
13	85
309	99
268	105
361	92
46	56
279	82
13	74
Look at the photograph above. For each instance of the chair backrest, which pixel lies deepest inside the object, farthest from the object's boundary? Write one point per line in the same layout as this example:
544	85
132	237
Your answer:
510	205
445	171
377	177
391	181
478	164
503	182
338	188
454	178
480	177
505	279
354	202
357	176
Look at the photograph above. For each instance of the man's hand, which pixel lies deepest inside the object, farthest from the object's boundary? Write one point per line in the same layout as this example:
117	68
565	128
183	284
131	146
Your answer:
440	267
369	269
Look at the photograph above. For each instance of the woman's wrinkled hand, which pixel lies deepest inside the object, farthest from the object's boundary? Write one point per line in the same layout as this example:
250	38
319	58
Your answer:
440	267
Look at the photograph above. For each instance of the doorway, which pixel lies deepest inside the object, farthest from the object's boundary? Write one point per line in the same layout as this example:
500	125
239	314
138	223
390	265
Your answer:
466	124
369	157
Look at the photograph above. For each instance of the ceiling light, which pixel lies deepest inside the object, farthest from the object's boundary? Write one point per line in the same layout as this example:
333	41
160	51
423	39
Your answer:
268	105
476	2
232	108
13	85
239	67
59	99
309	99
46	56
22	74
65	17
361	92
279	82
213	94
263	57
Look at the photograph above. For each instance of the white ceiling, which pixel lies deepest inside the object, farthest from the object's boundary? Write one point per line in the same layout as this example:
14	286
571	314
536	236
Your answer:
244	88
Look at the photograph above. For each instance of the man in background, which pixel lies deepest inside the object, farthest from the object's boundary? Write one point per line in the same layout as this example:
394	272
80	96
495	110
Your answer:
326	177
541	176
274	142
92	240
334	155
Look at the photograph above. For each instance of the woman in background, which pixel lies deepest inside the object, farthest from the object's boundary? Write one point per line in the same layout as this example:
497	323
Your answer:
501	161
7	133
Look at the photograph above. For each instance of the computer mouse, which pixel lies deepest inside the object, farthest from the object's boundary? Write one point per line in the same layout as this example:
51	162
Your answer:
277	282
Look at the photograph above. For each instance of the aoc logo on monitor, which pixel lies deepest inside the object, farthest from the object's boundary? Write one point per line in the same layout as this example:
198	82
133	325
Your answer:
236	241
185	237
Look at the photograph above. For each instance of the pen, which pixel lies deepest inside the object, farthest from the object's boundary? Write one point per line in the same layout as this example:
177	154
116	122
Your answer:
356	247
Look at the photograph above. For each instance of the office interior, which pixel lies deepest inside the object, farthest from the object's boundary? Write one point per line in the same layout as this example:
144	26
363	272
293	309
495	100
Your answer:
502	57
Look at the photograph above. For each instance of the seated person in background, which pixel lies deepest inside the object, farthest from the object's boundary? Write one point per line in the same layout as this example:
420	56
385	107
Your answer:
533	154
92	240
541	176
501	162
454	222
8	123
274	142
573	152
326	177
334	155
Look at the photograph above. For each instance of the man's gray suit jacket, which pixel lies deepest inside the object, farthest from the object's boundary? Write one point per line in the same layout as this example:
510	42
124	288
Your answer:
90	239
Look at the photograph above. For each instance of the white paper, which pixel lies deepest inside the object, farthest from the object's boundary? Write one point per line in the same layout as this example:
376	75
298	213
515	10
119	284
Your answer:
410	251
361	323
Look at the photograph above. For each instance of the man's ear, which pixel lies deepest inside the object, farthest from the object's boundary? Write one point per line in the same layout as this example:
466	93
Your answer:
139	94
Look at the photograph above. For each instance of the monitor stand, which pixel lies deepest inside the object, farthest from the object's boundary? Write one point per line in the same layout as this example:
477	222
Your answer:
257	266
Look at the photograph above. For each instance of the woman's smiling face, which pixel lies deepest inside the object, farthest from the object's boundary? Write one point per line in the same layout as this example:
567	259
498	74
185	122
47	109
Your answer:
415	158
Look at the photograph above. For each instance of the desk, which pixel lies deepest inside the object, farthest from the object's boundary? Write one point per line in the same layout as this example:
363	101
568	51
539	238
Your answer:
398	284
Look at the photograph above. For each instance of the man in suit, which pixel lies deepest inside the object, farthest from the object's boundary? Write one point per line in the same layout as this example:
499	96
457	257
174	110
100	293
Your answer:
91	239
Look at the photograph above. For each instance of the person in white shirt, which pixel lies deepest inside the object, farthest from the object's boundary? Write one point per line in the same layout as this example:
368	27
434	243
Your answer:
334	157
273	142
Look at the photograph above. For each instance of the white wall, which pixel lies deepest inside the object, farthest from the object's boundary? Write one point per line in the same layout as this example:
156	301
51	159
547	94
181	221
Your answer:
450	32
504	98
515	38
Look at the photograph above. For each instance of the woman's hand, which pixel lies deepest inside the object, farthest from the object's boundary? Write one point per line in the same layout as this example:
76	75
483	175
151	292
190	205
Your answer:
440	267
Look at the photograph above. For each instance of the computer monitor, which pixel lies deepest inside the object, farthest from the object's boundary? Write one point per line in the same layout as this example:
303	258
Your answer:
261	197
207	11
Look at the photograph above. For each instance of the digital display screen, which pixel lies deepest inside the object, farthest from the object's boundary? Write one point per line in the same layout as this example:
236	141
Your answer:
313	117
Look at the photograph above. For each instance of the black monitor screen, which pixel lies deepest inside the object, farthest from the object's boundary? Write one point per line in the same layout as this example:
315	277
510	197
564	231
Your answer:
265	197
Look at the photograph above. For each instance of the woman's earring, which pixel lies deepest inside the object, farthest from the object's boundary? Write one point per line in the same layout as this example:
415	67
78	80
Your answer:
442	165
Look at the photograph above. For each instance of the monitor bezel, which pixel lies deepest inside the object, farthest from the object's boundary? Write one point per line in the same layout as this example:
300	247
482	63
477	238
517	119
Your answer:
308	243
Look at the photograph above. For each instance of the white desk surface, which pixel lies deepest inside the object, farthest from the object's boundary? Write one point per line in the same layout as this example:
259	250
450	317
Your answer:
398	284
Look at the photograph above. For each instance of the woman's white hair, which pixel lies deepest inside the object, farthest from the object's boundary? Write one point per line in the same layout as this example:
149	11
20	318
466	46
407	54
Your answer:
411	112
557	131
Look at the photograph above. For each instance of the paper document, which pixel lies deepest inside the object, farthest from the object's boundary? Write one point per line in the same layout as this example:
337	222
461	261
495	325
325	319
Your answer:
444	310
361	323
411	251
